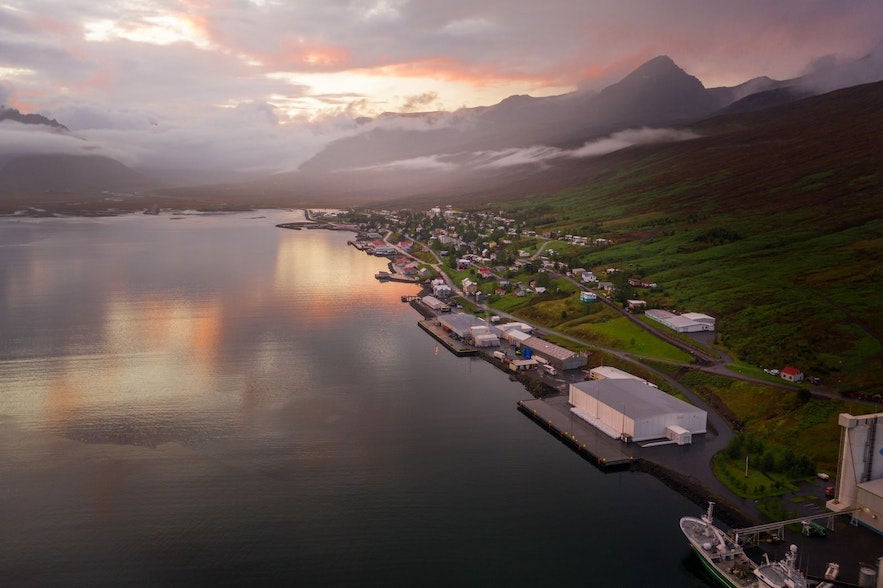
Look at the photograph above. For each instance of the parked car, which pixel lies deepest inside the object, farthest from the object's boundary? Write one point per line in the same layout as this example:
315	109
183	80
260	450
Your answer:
823	476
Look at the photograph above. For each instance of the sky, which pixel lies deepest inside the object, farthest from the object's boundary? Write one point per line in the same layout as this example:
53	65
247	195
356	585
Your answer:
266	83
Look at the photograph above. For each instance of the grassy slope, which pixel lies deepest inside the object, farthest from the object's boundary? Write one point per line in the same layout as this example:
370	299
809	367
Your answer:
801	187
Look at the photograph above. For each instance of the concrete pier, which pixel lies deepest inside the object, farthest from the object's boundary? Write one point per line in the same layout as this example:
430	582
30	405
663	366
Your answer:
458	348
587	441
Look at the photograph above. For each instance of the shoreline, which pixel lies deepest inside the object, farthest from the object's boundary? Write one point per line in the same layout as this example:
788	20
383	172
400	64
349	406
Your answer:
686	485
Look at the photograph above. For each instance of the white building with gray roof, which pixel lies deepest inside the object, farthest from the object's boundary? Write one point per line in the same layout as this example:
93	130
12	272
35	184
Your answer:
633	411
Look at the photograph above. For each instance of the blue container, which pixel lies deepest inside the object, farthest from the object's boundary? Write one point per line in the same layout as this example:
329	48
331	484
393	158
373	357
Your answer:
527	352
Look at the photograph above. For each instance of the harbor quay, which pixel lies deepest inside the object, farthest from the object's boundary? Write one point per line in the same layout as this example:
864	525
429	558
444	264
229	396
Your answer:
458	348
681	462
586	440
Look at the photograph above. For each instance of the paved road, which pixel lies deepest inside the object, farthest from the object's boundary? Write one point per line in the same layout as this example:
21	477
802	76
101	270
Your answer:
718	364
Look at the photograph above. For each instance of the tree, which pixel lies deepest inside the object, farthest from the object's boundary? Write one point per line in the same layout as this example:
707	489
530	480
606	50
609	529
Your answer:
766	462
734	447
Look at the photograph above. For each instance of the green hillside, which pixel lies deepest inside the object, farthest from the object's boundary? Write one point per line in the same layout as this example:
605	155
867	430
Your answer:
771	221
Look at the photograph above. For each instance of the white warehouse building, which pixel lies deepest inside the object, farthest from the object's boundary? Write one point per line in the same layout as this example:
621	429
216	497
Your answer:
689	322
633	411
605	372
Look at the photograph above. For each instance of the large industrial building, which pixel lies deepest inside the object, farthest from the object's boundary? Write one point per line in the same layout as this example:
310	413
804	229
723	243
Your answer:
633	411
859	481
605	372
461	324
559	357
689	322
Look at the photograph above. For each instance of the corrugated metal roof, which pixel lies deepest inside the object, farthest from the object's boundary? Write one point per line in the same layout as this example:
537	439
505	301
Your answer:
548	348
613	373
517	335
635	399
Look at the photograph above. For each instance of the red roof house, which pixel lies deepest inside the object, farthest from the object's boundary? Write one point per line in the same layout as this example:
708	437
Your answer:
791	373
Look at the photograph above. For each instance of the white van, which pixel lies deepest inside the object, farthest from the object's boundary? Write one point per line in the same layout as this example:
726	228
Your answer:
550	370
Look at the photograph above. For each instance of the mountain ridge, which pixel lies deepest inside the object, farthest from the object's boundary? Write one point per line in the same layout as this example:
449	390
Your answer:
488	146
13	114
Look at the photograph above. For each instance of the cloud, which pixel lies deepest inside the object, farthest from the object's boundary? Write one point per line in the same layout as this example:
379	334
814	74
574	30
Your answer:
466	27
138	75
419	101
79	116
534	155
630	138
428	163
23	139
832	72
519	156
5	93
540	154
246	138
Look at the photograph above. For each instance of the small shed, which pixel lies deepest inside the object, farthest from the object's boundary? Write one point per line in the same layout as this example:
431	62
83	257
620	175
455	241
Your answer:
678	434
486	340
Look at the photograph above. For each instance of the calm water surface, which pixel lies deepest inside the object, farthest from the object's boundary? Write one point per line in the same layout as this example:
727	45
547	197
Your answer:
214	400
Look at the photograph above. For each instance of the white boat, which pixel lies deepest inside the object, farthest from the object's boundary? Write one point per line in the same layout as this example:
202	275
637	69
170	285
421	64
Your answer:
721	555
781	574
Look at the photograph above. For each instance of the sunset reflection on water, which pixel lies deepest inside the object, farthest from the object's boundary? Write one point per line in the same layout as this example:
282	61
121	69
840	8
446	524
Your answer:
213	400
108	331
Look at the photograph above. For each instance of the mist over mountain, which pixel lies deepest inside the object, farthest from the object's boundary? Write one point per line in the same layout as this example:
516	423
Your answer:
68	173
485	148
398	155
657	93
824	75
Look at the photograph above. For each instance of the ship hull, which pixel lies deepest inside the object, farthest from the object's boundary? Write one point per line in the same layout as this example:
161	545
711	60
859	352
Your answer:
732	568
713	571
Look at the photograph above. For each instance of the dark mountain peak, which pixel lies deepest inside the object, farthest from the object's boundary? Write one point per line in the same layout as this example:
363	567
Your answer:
657	92
515	99
661	65
7	113
659	72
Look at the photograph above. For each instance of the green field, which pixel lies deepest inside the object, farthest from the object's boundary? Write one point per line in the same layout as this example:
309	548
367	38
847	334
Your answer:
594	322
779	417
793	279
621	333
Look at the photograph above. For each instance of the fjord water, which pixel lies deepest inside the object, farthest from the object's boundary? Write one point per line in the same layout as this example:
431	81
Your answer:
210	399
